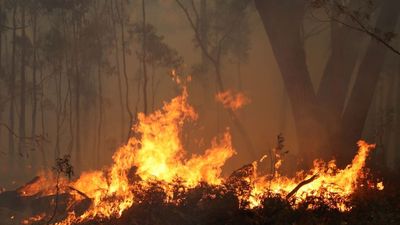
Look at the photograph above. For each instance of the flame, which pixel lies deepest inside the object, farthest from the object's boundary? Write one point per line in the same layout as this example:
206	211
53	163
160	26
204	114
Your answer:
33	219
156	154
327	181
231	100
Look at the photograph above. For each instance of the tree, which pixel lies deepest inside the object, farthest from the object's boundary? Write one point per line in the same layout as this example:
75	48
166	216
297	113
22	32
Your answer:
158	53
122	20
322	119
217	39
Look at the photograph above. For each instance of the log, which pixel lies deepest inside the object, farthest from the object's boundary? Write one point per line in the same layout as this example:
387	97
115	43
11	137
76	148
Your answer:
301	184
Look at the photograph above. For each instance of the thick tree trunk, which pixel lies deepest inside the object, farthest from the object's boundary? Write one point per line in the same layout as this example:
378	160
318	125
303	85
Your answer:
335	83
318	119
370	68
288	48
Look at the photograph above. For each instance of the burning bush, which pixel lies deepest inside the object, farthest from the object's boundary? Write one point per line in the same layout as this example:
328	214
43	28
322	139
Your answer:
154	181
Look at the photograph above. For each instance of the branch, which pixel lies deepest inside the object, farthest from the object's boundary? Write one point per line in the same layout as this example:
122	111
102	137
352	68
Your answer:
197	35
195	12
372	34
301	184
79	192
362	28
37	138
16	28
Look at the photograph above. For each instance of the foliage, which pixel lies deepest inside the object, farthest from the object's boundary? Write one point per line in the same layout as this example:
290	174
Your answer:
158	52
64	167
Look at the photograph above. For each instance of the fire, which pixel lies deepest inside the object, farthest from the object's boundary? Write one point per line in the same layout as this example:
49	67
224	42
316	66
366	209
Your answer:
326	181
232	100
33	219
155	154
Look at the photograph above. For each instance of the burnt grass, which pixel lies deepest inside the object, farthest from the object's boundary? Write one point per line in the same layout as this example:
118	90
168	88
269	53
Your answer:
206	205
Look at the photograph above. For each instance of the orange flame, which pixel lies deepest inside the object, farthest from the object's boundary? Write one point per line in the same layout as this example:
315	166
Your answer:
156	153
231	100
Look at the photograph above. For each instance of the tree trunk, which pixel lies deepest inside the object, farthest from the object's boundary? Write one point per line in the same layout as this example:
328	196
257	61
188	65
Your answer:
317	118
117	62
42	119
153	87
216	62
11	142
370	68
397	121
69	65
59	107
77	98
21	144
144	56
122	27
100	121
34	88
204	30
289	52
1	68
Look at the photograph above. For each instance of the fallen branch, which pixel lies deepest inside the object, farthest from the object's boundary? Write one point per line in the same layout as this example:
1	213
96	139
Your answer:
301	184
79	192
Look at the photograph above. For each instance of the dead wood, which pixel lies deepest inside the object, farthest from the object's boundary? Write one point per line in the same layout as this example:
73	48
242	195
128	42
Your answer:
301	184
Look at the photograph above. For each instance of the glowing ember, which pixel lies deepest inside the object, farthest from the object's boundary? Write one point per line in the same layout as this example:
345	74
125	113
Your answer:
33	219
156	154
232	100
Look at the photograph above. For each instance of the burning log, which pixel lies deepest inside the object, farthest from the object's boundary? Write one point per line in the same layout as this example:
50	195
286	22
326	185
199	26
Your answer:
301	184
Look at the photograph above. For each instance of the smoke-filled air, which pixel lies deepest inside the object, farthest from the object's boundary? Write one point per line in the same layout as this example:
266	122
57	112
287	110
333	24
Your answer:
182	112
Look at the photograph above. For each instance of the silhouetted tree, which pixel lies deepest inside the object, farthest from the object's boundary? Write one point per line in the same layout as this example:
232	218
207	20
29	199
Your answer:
323	120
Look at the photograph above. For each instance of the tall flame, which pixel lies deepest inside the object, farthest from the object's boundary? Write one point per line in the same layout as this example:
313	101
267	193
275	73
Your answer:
155	153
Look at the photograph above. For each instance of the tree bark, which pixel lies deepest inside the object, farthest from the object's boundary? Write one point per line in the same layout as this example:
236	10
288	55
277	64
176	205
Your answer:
288	48
370	68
